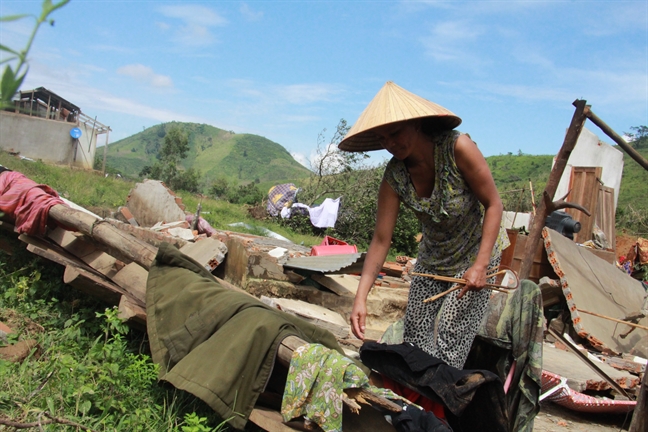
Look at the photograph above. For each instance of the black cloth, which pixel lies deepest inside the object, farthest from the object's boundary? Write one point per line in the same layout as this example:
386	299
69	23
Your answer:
413	419
474	399
3	169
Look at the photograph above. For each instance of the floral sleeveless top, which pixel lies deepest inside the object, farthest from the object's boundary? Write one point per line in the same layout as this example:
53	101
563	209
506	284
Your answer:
451	218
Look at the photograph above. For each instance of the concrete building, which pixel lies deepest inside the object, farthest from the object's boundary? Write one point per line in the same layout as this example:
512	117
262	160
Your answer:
45	126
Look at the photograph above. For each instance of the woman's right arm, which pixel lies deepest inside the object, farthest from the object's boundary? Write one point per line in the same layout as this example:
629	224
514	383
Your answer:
388	204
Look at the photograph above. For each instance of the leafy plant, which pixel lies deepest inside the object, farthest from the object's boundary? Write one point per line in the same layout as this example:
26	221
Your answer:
13	77
93	372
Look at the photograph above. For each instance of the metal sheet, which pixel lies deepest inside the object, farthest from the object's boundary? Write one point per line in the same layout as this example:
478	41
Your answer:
328	263
591	283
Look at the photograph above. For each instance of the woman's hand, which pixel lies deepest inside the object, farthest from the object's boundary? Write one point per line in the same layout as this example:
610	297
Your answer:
358	317
475	278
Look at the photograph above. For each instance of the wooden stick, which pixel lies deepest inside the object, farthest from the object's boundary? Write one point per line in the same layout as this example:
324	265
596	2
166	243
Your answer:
463	281
438	296
613	319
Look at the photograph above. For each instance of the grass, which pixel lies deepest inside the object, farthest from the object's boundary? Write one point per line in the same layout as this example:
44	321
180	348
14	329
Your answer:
90	371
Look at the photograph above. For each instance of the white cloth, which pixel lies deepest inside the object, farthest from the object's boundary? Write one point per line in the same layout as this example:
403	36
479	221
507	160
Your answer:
286	212
325	214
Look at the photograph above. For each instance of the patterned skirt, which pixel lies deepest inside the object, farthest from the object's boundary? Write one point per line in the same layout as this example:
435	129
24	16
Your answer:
445	328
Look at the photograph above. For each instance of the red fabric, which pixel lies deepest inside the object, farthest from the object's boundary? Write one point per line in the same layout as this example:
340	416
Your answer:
26	202
427	404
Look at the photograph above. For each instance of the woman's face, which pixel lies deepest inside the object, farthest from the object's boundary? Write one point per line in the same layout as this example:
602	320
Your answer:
398	139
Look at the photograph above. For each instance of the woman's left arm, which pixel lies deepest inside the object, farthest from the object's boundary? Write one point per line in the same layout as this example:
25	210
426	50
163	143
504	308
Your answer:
474	169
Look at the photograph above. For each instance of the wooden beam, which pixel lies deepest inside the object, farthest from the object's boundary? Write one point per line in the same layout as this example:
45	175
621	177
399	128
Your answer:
616	138
575	128
131	312
134	249
90	283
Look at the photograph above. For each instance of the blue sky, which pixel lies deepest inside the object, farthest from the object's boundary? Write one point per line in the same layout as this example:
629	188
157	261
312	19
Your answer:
287	70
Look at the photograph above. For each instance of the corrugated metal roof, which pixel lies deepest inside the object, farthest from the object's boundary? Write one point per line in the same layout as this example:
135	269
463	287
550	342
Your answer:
326	263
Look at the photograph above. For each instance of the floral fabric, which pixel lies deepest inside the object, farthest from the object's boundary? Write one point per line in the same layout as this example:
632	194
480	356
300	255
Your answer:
451	218
316	379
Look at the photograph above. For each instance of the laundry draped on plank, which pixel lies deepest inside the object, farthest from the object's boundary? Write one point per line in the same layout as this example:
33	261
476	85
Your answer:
26	202
214	342
316	380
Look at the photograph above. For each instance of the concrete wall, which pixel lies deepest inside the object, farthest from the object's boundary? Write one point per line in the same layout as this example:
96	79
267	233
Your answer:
49	140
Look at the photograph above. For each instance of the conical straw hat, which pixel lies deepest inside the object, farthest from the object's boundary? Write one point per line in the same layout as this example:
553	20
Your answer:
393	104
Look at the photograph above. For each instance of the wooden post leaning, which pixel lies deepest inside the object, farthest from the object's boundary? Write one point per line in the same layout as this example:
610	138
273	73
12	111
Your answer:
575	128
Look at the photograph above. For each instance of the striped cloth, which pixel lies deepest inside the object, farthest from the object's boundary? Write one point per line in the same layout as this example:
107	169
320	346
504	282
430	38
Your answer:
25	202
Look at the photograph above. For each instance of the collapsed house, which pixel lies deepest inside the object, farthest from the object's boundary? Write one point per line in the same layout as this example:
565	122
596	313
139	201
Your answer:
596	339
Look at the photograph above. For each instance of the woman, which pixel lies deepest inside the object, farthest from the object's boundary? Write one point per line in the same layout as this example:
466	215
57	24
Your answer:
440	174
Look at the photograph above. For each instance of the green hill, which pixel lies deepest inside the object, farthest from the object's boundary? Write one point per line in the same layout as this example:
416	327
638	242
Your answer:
215	153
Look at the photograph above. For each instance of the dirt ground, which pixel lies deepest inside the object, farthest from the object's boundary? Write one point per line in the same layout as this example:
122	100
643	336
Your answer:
553	417
623	244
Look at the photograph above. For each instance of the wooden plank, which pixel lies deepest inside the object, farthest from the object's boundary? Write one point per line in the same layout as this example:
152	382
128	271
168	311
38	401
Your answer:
51	251
132	278
132	312
584	186
269	420
540	265
605	214
640	416
84	250
318	315
92	284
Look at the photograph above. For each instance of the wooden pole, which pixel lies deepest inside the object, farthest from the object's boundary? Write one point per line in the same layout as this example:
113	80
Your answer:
117	241
617	139
103	167
640	416
613	319
575	128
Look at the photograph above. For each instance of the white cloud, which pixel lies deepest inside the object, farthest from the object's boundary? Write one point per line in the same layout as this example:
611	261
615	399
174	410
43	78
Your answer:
449	41
294	94
299	157
249	13
66	84
300	94
194	14
145	74
197	21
